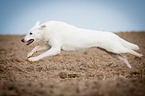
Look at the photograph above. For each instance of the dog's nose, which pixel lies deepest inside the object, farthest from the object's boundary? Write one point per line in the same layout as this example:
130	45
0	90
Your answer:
22	39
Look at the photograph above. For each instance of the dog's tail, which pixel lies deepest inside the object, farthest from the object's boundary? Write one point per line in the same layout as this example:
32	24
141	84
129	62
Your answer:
128	44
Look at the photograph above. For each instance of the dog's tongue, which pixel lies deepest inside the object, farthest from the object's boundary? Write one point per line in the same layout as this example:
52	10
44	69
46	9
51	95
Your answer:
29	42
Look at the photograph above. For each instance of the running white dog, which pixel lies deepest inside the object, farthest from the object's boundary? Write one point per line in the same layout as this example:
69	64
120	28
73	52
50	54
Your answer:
59	35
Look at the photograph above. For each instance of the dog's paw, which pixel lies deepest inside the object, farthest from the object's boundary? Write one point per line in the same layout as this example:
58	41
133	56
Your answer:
30	54
33	59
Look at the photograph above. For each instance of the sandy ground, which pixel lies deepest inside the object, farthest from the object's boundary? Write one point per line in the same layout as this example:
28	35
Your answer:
89	72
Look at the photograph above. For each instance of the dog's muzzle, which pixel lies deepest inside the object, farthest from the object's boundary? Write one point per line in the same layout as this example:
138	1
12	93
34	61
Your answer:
28	42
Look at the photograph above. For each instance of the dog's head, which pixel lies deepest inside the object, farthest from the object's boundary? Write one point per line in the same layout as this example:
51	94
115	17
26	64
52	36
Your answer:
34	34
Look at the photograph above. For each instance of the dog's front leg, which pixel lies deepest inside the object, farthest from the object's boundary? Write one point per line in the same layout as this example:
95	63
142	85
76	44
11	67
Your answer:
51	52
38	48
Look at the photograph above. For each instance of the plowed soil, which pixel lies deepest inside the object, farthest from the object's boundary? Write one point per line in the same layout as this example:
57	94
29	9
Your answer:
89	72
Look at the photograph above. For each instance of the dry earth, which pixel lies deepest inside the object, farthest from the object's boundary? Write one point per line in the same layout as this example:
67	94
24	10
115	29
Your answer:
89	72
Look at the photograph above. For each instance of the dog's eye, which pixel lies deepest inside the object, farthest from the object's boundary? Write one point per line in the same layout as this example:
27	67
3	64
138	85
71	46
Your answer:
30	33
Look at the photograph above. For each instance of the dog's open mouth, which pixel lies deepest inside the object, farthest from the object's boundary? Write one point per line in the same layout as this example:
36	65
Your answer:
30	41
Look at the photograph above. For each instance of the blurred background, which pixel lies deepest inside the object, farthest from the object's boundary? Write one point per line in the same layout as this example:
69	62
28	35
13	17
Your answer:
18	16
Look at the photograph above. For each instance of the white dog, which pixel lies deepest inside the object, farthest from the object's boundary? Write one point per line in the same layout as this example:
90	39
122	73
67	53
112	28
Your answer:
59	35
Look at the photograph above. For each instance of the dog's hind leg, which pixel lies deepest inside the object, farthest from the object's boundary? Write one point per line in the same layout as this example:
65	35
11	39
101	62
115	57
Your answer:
120	57
38	48
135	53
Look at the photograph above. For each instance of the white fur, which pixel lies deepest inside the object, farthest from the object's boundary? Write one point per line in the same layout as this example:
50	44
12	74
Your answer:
59	35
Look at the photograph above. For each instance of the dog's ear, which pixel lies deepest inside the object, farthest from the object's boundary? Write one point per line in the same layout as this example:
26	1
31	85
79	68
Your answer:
37	23
43	27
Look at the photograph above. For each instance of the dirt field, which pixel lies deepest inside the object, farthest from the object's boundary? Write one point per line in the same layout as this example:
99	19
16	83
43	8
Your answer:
89	72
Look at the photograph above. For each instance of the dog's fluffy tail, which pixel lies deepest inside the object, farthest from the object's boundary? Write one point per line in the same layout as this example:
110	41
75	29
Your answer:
128	44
